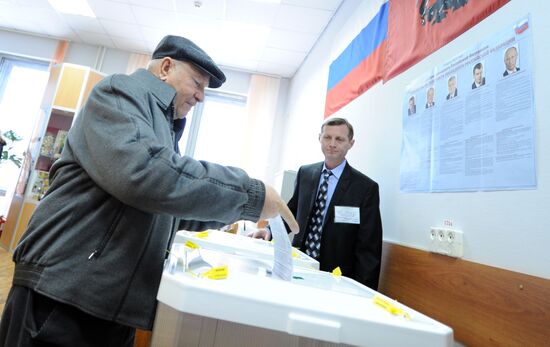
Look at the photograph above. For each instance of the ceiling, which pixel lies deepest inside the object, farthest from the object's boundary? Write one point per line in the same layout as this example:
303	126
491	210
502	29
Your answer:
250	35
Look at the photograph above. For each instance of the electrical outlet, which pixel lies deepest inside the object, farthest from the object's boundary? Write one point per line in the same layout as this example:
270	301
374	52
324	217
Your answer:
441	235
446	241
433	239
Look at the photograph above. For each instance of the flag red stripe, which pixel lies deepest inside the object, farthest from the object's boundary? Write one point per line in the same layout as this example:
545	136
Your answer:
365	75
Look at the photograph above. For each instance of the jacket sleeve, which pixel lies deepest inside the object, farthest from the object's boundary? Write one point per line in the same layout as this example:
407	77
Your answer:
124	144
191	225
368	250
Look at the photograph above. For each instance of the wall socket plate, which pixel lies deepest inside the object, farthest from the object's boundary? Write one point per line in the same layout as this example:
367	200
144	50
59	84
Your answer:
446	241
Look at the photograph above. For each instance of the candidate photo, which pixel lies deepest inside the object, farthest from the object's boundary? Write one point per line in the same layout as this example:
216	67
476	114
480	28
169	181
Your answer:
453	91
412	106
430	93
511	61
479	79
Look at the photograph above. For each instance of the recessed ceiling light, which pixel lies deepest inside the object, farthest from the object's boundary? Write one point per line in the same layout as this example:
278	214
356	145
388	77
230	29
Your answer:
79	7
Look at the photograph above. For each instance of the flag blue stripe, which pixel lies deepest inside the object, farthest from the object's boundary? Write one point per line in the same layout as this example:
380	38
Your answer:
361	47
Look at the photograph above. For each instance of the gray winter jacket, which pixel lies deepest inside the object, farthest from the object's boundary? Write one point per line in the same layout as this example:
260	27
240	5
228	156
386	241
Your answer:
98	239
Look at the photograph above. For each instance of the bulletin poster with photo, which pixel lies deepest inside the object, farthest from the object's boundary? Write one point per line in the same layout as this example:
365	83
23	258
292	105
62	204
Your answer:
468	124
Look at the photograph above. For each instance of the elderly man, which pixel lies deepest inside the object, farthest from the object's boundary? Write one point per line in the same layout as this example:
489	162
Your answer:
89	264
453	91
430	97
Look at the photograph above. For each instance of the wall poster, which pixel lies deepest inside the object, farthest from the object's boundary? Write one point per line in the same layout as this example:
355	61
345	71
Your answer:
468	124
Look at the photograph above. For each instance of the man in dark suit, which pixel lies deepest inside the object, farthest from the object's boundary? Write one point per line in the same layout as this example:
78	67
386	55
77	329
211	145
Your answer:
453	92
510	60
351	232
430	97
479	80
412	106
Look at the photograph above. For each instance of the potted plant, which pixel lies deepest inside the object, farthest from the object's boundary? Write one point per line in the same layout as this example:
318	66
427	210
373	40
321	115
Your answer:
7	141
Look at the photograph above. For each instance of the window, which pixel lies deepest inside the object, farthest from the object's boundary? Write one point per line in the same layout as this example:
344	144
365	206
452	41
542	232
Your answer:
215	130
22	85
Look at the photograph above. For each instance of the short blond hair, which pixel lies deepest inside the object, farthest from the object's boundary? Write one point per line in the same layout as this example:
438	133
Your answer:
339	121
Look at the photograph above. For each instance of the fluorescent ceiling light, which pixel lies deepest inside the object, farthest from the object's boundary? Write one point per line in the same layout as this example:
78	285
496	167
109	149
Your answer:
79	7
268	1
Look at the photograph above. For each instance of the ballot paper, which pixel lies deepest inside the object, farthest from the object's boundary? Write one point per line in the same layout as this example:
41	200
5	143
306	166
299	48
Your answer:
282	266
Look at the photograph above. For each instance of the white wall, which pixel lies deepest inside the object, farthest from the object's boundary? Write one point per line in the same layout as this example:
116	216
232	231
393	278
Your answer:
506	229
26	45
237	82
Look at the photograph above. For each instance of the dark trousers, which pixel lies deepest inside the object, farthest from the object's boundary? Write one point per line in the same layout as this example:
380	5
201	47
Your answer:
33	320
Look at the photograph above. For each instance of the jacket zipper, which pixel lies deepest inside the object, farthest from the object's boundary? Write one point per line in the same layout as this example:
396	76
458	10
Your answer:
97	251
172	132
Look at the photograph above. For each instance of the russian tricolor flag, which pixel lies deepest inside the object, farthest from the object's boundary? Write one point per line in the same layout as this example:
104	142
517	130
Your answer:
360	65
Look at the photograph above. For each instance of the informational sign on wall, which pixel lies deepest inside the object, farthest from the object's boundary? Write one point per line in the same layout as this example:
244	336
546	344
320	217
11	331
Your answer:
469	124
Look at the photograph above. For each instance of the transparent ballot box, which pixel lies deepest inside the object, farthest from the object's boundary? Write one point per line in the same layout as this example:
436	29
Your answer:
209	298
241	245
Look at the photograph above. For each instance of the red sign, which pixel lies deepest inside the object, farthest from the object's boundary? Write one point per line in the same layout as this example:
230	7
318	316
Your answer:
416	28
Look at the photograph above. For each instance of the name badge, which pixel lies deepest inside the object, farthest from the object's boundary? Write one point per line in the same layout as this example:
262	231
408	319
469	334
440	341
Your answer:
346	214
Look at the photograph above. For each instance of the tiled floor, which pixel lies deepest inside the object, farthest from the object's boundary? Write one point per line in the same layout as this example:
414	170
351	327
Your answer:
6	274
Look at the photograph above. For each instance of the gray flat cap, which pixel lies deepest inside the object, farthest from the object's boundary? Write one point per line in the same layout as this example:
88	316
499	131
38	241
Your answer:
180	48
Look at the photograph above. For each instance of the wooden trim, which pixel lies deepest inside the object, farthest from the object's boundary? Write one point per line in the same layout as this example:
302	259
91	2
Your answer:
24	218
60	51
11	221
143	338
484	305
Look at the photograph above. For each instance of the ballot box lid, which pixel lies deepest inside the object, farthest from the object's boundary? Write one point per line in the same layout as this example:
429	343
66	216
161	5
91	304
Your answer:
241	245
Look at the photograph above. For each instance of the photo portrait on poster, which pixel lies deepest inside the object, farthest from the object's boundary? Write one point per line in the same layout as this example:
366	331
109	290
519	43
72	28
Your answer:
451	85
511	58
412	106
479	78
430	95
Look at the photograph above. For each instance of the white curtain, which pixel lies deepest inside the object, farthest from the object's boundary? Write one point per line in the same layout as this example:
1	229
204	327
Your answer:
263	95
137	61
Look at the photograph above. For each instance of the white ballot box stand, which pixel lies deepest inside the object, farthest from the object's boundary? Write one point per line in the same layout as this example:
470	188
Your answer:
247	307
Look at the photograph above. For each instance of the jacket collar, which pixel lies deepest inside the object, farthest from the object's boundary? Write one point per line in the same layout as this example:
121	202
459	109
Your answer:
164	92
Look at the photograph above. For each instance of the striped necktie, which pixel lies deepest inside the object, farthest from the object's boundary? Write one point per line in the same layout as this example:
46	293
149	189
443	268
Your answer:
313	241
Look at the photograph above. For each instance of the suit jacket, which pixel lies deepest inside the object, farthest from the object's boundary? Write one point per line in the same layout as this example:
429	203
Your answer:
506	72
474	86
453	96
355	248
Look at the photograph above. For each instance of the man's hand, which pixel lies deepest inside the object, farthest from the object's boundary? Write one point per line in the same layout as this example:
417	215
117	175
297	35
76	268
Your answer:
263	234
274	205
